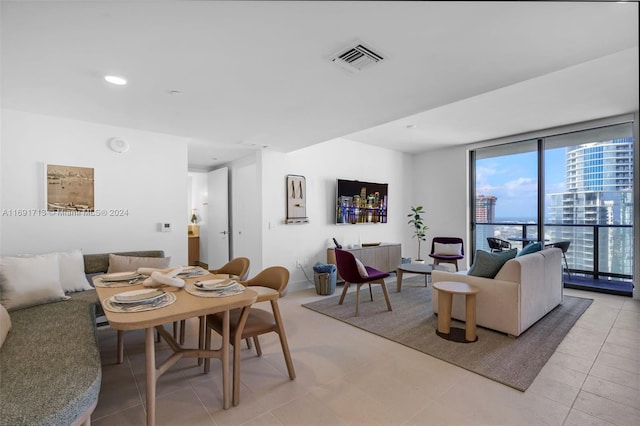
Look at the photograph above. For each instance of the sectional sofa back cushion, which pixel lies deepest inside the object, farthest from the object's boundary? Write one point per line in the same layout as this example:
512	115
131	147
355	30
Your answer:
119	263
488	264
29	281
98	263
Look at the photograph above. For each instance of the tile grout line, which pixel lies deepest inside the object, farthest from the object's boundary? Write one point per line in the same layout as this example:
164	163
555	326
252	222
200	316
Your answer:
571	408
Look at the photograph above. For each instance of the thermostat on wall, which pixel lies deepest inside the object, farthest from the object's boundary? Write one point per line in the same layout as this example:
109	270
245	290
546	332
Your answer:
164	227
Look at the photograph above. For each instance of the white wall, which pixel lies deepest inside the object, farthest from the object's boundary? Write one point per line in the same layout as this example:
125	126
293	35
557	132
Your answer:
321	165
441	185
149	182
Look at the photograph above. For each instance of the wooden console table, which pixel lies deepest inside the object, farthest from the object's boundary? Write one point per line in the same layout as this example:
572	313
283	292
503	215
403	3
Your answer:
194	250
385	257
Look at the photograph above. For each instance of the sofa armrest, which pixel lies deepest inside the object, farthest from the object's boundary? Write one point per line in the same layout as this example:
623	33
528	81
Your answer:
541	284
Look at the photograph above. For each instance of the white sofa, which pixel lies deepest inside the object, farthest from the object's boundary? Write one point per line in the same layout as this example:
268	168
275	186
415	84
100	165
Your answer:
524	290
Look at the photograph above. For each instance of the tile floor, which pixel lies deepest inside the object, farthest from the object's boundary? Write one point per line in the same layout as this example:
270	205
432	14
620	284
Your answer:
346	376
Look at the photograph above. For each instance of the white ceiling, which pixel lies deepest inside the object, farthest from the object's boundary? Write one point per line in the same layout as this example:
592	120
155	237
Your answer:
256	74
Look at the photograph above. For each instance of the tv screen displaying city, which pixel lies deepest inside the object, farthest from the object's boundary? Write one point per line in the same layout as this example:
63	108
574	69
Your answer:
361	202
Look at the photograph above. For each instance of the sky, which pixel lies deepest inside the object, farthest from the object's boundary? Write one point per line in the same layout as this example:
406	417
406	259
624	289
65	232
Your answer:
513	179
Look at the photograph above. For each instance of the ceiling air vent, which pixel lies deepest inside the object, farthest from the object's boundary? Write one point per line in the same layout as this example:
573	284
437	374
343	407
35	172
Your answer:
357	57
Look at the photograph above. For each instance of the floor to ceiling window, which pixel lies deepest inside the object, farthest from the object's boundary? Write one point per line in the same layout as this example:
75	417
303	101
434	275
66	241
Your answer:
506	193
575	188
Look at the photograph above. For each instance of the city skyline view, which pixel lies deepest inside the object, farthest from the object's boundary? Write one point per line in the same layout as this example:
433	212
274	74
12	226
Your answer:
588	198
513	180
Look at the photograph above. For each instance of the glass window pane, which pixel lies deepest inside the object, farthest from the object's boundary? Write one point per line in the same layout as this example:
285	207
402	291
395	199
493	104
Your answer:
589	181
506	192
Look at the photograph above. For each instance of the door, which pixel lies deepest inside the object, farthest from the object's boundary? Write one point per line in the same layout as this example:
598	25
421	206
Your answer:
246	221
218	218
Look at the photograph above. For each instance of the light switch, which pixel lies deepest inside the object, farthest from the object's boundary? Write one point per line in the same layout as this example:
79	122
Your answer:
164	227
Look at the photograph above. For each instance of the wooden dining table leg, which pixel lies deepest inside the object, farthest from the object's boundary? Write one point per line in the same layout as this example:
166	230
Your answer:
150	358
202	327
120	344
225	360
237	348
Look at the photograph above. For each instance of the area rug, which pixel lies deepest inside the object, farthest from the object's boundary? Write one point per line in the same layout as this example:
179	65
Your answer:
513	362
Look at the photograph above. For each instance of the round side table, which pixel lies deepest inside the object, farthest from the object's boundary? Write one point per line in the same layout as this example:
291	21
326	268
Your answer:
446	290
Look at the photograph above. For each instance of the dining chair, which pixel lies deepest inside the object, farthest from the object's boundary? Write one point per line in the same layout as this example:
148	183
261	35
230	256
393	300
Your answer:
564	246
238	266
497	244
349	271
270	284
447	250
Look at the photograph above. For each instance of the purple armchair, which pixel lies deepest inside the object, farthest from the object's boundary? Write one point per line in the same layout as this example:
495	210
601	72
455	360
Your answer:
447	255
348	269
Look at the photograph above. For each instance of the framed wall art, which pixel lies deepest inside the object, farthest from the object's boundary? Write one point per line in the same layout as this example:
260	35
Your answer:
69	188
296	199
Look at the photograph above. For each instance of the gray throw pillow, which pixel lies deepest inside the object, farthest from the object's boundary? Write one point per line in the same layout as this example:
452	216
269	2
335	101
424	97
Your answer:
488	264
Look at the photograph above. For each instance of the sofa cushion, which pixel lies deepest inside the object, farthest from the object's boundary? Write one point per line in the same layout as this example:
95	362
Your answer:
29	281
5	324
530	248
488	264
99	262
361	268
119	263
50	364
448	249
72	276
71	263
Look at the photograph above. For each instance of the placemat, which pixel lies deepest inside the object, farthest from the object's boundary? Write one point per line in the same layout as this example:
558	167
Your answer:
237	288
110	305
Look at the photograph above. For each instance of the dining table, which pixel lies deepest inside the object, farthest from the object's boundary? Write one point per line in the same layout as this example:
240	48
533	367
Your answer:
525	240
184	305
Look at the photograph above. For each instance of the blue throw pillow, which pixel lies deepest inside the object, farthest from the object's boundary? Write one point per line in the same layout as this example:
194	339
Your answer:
530	248
488	264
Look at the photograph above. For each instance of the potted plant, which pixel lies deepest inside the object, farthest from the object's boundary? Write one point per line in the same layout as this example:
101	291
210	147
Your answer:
418	226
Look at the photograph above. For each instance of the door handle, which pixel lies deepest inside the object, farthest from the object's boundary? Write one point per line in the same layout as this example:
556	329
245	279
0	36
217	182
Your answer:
224	232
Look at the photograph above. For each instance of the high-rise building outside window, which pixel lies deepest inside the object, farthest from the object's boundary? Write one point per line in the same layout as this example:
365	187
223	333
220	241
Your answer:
585	197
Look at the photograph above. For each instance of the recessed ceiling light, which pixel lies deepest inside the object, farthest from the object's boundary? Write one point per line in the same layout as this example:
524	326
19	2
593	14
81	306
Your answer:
117	80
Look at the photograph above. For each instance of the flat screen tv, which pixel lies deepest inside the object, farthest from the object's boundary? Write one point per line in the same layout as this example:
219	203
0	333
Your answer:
361	202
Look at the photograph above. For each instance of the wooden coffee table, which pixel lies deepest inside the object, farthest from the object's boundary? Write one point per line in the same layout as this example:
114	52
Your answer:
446	290
416	268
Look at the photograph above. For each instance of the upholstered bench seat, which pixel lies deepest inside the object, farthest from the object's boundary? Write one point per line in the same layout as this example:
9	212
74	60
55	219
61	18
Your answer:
50	369
50	363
